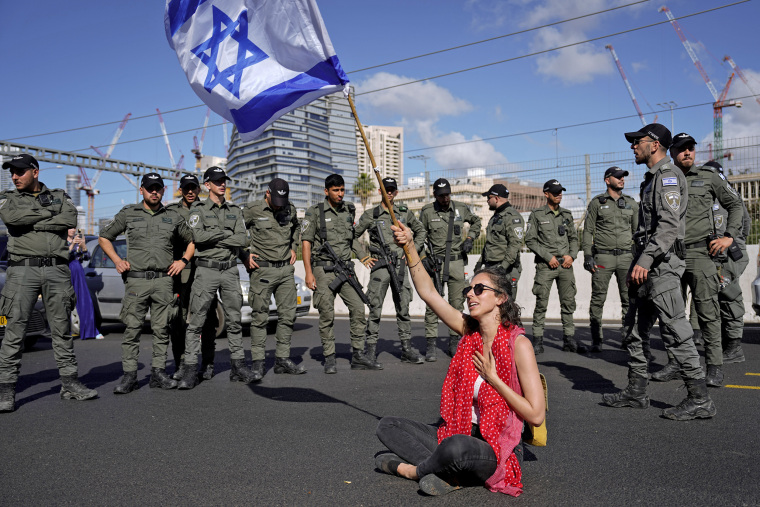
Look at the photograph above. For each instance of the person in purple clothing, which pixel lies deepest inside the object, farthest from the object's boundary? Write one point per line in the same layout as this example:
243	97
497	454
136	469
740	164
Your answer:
85	309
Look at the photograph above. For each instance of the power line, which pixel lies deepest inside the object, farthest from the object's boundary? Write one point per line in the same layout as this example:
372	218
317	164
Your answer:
498	37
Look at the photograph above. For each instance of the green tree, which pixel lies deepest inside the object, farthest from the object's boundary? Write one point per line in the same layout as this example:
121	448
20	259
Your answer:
364	187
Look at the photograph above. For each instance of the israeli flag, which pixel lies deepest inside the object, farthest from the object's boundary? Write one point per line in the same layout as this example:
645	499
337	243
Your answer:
251	61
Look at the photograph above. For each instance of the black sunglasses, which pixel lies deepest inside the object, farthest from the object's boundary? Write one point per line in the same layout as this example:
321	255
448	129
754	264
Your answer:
478	289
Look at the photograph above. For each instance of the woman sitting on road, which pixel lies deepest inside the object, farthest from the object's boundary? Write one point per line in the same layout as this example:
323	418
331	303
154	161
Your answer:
491	387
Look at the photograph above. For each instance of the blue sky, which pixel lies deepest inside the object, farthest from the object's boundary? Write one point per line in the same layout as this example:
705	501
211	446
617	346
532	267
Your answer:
79	63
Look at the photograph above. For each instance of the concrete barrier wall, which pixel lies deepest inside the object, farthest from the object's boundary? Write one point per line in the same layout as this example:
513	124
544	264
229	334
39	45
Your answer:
526	299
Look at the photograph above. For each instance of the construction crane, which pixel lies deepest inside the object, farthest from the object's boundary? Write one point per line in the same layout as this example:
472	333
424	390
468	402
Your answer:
720	99
627	84
89	186
198	149
177	166
741	75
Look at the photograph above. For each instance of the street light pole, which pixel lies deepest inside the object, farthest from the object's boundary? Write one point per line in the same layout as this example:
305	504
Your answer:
670	104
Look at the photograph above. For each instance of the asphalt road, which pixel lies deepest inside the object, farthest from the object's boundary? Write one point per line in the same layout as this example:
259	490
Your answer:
309	440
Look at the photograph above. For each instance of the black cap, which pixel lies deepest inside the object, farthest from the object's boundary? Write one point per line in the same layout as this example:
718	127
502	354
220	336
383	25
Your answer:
441	187
279	191
215	173
655	131
682	139
615	172
553	187
714	164
390	184
23	161
498	190
152	179
188	179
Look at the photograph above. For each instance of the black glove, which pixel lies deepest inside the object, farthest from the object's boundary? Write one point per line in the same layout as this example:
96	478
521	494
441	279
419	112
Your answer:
467	245
589	264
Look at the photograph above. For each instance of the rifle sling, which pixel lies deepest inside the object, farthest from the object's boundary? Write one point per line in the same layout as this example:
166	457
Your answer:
449	236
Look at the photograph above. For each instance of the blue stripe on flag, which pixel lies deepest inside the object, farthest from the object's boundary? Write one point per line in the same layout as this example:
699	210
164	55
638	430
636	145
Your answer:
180	11
260	110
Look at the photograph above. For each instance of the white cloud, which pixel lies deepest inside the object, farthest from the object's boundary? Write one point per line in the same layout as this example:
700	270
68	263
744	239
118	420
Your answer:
419	101
573	65
458	155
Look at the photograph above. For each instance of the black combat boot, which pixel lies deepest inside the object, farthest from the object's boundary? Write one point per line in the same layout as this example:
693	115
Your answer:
409	354
159	378
596	337
371	352
733	352
239	372
207	371
330	366
128	383
453	344
190	378
634	396
8	397
431	352
714	377
257	369
286	365
360	362
73	389
179	372
570	344
670	371
697	405
538	345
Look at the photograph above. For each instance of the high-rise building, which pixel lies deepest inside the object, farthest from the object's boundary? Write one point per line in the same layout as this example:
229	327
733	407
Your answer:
387	145
73	186
302	147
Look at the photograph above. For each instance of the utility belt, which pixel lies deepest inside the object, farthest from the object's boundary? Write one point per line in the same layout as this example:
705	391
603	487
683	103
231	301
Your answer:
699	244
615	251
678	248
148	275
220	265
323	264
38	262
452	257
271	264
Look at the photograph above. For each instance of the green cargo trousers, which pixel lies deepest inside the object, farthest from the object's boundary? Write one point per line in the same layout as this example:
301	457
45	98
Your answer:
266	281
701	277
542	286
23	284
731	302
455	285
660	297
207	282
139	295
183	285
379	281
324	302
608	265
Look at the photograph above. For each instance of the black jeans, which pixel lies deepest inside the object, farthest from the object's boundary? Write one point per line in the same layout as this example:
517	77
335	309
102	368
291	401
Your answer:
468	459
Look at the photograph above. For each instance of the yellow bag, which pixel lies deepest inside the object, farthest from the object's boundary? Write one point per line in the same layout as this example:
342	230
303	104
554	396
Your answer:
536	435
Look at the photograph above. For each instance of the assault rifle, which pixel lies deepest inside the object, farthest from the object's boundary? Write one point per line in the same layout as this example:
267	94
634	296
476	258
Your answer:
433	266
344	272
391	260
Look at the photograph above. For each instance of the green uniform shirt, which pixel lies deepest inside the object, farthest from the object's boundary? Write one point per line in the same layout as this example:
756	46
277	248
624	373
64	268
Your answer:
218	231
543	236
664	200
403	215
720	214
504	235
35	230
609	226
339	223
151	236
272	233
436	223
706	186
184	211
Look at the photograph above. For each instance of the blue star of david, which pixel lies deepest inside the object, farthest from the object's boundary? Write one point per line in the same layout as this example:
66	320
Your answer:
224	27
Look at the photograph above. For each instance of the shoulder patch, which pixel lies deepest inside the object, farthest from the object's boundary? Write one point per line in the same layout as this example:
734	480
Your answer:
670	181
193	220
3	200
722	177
516	220
403	208
674	200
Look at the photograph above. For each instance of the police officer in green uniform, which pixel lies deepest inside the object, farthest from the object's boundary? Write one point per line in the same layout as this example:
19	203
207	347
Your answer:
219	235
189	187
332	221
380	277
504	235
611	219
38	221
702	248
444	221
730	297
551	236
272	225
654	280
151	230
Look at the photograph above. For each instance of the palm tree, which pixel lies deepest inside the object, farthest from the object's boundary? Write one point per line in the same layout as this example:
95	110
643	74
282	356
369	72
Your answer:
364	187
